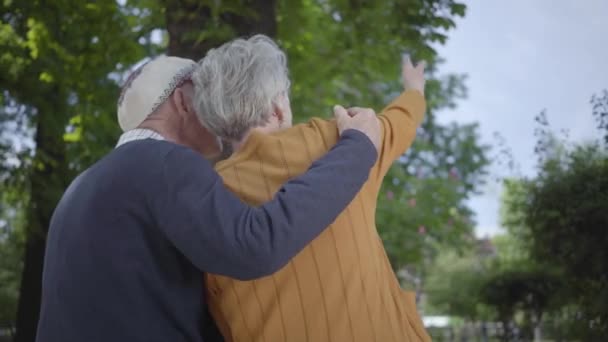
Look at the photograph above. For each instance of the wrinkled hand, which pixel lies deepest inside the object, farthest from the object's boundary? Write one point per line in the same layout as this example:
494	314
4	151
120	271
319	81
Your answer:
361	119
413	77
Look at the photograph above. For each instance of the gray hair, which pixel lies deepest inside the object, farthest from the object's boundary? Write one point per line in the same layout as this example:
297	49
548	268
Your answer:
236	85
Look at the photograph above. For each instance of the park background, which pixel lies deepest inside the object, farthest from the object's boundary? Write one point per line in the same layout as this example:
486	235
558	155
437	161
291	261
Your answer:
498	214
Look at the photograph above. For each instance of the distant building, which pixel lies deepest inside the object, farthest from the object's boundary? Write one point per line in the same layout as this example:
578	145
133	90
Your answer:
485	248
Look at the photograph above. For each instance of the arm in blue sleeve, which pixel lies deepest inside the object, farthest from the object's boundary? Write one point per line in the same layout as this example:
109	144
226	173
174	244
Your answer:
220	234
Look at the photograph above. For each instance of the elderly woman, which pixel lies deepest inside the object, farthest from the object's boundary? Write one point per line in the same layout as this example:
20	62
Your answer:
341	287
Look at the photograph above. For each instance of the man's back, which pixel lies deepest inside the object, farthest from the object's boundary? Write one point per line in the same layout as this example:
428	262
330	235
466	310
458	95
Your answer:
339	288
130	267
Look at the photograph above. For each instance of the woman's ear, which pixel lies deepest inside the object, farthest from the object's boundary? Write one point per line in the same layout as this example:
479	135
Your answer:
278	111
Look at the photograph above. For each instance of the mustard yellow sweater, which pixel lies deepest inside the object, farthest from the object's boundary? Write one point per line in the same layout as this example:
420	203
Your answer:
341	287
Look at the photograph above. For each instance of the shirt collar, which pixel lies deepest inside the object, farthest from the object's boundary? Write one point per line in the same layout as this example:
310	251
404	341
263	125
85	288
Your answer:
138	134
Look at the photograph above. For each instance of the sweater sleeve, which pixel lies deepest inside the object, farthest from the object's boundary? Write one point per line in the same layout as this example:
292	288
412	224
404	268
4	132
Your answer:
399	122
220	234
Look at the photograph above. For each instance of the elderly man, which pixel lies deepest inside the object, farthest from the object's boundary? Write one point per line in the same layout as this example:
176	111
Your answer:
341	287
132	234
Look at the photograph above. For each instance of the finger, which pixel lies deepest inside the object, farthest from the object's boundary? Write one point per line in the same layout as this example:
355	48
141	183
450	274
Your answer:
421	66
366	111
340	113
352	111
406	61
360	109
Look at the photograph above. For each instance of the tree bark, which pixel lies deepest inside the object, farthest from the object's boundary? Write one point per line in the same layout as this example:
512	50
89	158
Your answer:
187	19
28	310
47	182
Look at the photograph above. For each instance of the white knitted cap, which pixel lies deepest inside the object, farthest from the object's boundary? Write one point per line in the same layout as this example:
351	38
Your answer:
149	86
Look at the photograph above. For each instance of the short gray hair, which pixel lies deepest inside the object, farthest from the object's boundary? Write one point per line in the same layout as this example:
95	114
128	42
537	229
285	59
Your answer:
236	85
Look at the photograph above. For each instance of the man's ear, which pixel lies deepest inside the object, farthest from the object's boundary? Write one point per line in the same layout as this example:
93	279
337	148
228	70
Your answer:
182	102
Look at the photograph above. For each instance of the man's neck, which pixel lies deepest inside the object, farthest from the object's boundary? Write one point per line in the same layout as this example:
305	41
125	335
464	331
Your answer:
162	127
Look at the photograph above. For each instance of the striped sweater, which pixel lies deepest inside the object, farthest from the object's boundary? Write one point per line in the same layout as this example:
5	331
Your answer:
341	287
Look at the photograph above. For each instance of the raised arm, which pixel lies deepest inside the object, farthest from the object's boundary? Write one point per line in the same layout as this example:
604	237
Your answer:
220	234
401	118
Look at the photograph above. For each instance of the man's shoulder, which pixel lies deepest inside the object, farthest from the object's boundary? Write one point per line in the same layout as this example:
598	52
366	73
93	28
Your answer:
121	172
140	167
145	156
132	155
145	148
164	156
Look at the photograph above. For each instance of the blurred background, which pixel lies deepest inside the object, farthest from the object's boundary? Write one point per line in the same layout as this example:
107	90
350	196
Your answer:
497	216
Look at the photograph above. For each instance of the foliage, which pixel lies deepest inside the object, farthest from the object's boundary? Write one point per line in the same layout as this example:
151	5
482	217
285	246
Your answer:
454	284
559	220
527	289
600	112
339	54
423	207
11	245
56	81
551	268
57	96
567	216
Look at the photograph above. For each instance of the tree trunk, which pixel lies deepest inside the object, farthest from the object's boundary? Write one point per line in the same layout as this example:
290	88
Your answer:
537	324
185	29
47	182
30	291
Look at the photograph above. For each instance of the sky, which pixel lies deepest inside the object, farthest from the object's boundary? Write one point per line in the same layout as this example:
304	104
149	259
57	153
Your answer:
522	57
